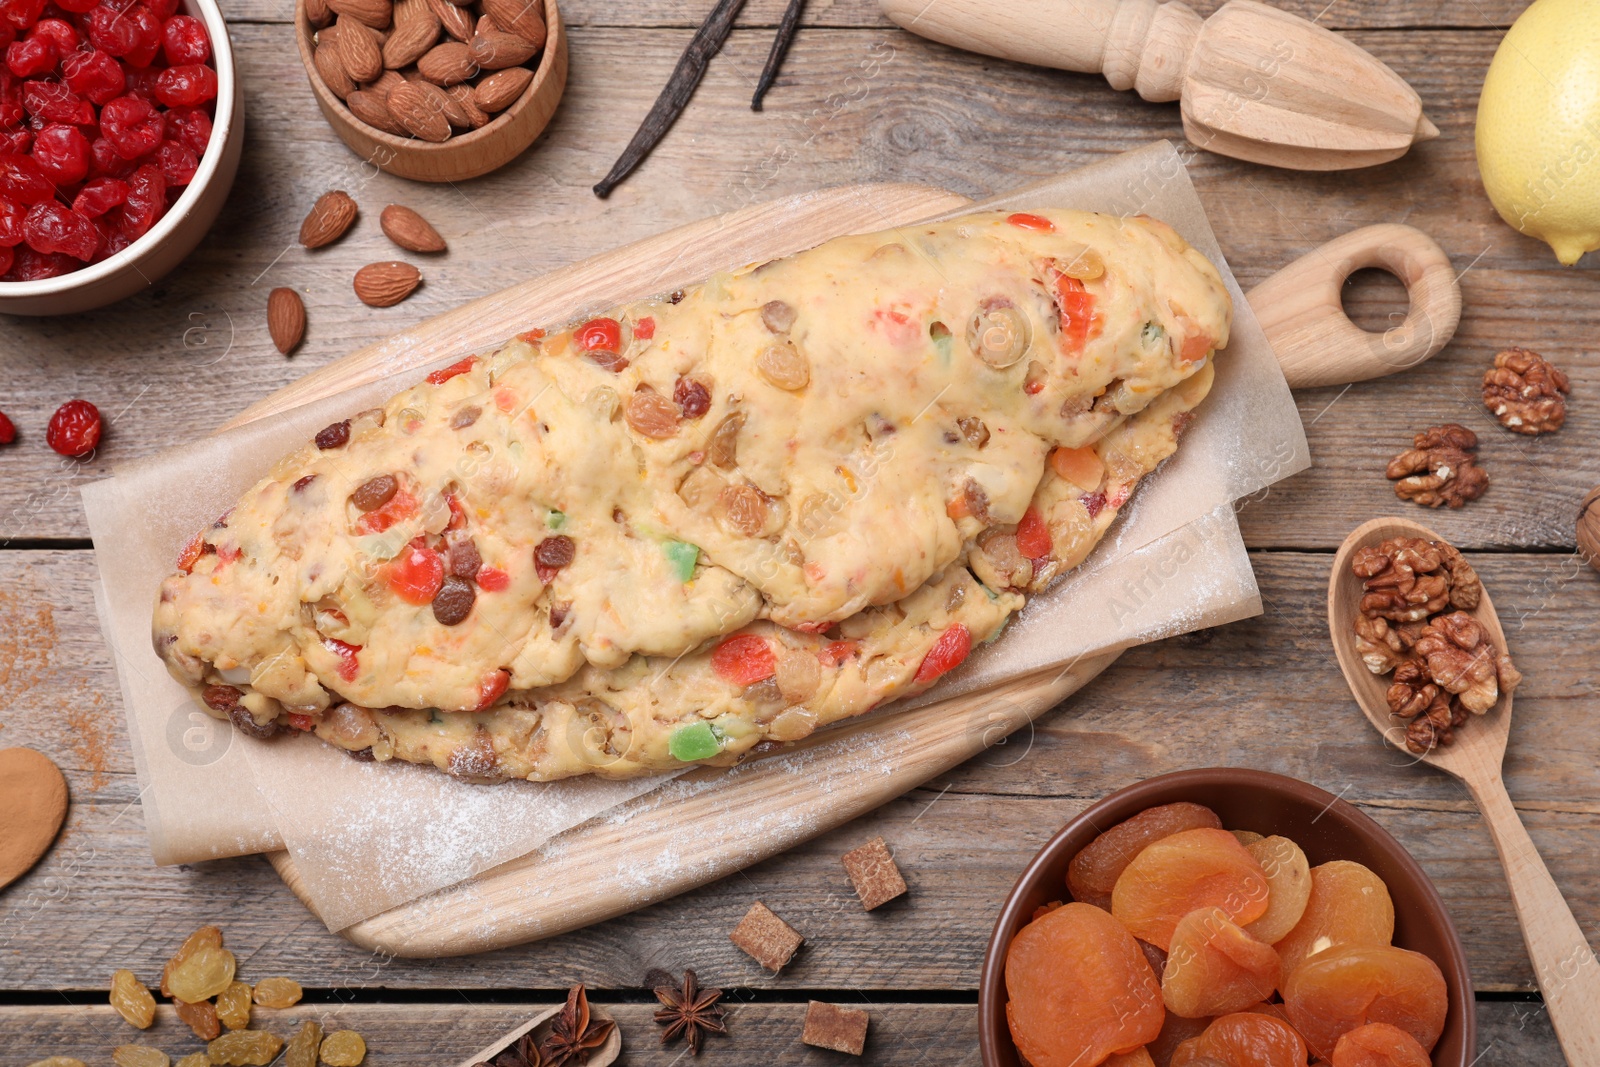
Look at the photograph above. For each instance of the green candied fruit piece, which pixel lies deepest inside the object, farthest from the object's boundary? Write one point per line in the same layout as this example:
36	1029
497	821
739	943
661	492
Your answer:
556	519
1152	333
683	556
696	741
940	334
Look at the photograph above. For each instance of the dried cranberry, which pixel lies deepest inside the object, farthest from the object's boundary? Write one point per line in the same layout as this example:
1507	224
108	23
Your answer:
32	56
76	7
11	216
60	31
106	162
31	266
22	180
62	152
8	432
146	202
162	9
133	126
7	257
74	429
95	76
51	101
178	163
184	40
53	227
100	196
21	13
141	82
18	141
189	126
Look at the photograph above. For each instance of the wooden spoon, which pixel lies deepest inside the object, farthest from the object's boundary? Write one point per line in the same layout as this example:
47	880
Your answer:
603	1056
1563	962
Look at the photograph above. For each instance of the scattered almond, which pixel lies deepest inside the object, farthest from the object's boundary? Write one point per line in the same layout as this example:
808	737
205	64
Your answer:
329	68
382	285
502	88
493	49
410	230
447	64
420	106
359	52
286	320
370	108
464	112
525	18
456	21
375	13
330	217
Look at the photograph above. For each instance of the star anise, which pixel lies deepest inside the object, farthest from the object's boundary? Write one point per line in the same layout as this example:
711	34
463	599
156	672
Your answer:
691	1011
572	1035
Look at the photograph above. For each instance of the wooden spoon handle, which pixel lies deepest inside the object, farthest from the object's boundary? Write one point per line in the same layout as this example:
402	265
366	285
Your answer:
1564	964
1302	311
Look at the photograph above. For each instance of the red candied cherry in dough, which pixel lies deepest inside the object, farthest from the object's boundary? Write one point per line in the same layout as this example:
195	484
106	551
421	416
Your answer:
947	653
416	574
600	335
1038	223
1033	535
744	659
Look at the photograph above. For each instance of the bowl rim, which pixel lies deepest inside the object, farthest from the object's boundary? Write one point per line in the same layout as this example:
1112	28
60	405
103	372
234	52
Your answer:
554	38
993	1033
221	129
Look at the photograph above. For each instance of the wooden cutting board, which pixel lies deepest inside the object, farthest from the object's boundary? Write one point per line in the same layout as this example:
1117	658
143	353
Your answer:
572	881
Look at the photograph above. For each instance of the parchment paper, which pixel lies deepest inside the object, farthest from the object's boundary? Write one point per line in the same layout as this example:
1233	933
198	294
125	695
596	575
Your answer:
367	837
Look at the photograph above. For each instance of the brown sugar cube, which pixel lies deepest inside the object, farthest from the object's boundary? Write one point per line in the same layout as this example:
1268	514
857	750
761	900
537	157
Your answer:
766	938
872	871
832	1027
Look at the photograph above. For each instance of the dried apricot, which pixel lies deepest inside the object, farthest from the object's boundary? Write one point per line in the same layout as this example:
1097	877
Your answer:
1079	989
1379	1045
1288	887
139	1056
302	1048
1349	905
233	1006
1175	1030
244	1048
1097	866
277	992
1187	871
1215	968
206	935
343	1048
1244	1039
132	1000
1139	1057
1343	988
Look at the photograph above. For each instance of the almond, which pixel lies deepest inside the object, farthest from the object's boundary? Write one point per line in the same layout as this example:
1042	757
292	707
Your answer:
410	230
419	106
464	112
286	319
317	13
331	70
374	13
494	49
359	53
370	108
330	217
456	21
502	88
525	18
416	28
447	64
386	81
382	285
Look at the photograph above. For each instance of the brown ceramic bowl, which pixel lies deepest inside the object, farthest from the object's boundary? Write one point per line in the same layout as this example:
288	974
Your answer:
464	155
1326	827
177	232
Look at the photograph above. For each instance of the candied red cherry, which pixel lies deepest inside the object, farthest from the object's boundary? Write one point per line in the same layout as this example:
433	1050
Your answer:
32	266
162	9
11	110
189	126
22	180
114	239
184	40
62	152
111	30
21	13
147	36
32	56
18	141
106	162
76	7
8	432
178	164
74	429
60	31
99	196
54	227
186	86
94	75
51	101
141	82
146	202
7	257
133	126
11	216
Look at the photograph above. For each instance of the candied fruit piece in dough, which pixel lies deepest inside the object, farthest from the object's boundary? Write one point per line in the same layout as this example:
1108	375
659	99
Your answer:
1379	1045
1288	887
1341	989
1079	989
1244	1039
1348	905
1187	871
1215	968
1097	866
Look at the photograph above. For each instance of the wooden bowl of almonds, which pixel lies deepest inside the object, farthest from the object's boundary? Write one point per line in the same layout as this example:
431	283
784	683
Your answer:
434	90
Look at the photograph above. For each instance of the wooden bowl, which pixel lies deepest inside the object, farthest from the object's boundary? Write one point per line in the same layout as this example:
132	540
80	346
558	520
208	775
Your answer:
464	155
176	233
1326	827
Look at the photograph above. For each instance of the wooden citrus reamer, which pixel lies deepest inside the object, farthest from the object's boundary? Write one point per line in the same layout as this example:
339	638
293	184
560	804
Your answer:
1256	83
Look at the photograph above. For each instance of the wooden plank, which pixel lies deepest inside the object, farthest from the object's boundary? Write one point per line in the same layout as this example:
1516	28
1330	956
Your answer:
1263	693
1510	1034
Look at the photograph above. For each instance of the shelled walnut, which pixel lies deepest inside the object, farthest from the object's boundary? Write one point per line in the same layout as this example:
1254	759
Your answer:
1440	468
1413	621
1526	392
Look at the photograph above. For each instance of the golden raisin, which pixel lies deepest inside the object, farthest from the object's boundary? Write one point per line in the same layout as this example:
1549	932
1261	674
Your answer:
204	974
194	1059
1348	905
1215	968
244	1048
1336	991
233	1005
205	936
139	1056
302	1048
58	1061
1183	873
1097	866
132	1000
343	1048
1288	887
277	992
201	1017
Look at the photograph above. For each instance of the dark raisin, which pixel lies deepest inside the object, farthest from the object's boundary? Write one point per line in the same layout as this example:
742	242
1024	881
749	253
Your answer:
221	697
465	417
692	398
360	755
558	613
555	552
453	603
302	483
676	297
246	724
335	436
375	493
465	562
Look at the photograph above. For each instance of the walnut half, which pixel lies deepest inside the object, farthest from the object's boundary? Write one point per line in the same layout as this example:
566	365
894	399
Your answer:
1526	392
1441	469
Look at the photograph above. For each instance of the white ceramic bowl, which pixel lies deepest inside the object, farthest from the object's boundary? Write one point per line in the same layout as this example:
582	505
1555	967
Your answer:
177	232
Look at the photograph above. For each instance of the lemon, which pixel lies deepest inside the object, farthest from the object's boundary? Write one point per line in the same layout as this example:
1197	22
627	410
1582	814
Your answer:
1538	131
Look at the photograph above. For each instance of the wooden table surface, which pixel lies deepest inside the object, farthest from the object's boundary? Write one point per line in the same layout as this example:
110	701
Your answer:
859	101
